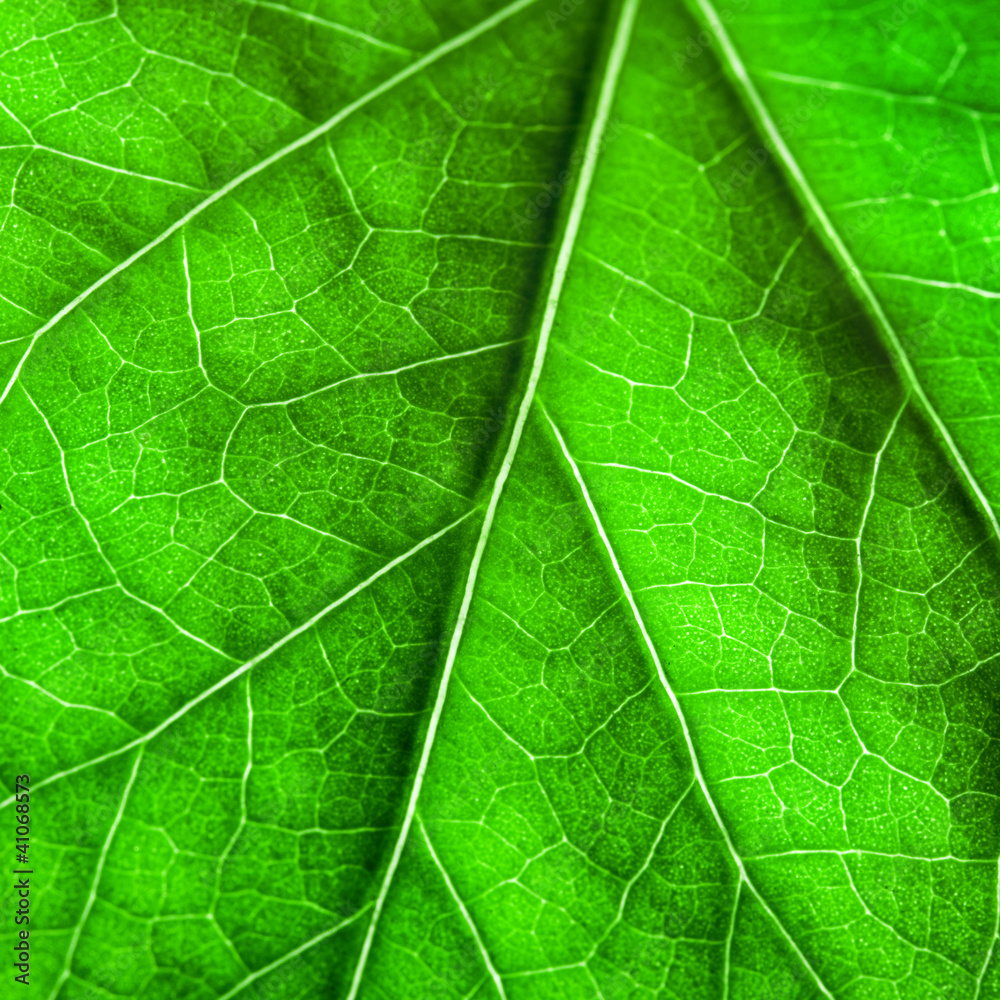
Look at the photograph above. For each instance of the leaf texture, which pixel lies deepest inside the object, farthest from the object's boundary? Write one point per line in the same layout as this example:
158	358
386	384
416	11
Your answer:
498	500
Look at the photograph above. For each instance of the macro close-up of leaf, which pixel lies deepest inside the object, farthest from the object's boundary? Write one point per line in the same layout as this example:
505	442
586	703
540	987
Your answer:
500	501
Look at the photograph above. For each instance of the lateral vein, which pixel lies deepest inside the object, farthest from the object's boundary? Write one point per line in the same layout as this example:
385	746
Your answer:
487	961
692	753
415	67
249	665
92	897
289	956
840	249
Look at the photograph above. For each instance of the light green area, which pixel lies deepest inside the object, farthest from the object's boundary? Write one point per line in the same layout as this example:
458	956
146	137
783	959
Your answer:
721	721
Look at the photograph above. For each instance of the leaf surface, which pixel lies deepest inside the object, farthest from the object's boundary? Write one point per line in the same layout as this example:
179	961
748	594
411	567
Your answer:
476	524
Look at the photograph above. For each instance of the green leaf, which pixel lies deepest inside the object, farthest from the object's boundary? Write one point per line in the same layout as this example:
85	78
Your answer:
499	501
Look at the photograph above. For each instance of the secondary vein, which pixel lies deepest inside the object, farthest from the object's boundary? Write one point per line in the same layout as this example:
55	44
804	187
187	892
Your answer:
616	59
415	67
470	923
95	884
249	664
671	694
840	249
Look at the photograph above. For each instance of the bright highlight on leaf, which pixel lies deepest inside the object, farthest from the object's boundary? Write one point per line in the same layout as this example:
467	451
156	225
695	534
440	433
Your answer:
500	501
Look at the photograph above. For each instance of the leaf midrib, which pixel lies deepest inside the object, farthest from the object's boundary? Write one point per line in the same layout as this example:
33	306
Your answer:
595	134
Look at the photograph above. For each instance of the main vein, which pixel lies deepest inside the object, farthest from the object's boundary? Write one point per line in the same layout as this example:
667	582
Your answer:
840	249
605	100
415	67
671	694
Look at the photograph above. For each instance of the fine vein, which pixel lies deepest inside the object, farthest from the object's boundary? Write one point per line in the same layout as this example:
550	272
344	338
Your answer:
249	665
487	961
92	897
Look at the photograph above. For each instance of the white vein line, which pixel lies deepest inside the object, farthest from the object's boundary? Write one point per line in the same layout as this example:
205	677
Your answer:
59	701
649	860
104	166
729	942
993	943
97	545
616	59
91	899
441	358
692	753
861	531
827	228
294	953
432	57
958	286
333	25
465	913
884	95
250	664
